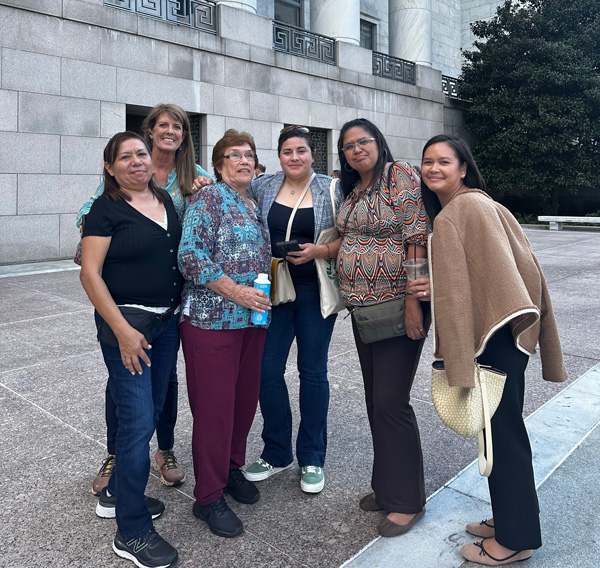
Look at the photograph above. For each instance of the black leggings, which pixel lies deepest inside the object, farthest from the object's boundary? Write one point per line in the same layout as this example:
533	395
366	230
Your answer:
511	483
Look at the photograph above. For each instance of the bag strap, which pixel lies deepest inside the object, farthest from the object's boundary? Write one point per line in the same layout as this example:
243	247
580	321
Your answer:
332	196
486	451
304	192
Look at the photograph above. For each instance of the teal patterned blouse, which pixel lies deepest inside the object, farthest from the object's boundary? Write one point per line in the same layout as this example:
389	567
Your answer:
221	236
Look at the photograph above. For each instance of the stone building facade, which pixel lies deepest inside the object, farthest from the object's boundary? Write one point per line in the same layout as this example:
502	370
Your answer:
74	72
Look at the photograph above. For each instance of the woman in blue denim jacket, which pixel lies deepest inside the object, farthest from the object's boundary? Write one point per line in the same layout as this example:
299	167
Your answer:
276	196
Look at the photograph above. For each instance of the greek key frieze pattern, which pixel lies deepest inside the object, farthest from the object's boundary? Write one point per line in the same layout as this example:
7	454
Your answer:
393	68
303	44
450	86
320	139
196	14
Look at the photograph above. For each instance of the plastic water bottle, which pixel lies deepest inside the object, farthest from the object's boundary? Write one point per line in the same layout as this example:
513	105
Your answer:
262	283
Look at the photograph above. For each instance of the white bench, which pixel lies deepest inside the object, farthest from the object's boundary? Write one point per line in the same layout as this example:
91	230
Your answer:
556	222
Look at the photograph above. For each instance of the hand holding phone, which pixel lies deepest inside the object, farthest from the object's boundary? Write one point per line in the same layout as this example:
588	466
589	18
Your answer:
288	246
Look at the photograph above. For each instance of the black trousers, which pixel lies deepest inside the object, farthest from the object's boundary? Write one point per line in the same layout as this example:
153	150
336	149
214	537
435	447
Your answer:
511	483
388	369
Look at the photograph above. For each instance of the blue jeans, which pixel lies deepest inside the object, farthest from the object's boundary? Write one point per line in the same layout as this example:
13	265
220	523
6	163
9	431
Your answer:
139	400
301	319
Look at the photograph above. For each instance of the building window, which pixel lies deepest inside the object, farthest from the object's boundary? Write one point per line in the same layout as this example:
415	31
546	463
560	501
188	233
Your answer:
289	12
367	35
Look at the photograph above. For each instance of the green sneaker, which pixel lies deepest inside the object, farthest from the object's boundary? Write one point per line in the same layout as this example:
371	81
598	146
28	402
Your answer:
260	470
313	479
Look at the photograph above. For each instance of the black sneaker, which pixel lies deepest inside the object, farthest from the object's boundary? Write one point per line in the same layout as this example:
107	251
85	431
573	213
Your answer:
221	520
148	551
242	490
107	506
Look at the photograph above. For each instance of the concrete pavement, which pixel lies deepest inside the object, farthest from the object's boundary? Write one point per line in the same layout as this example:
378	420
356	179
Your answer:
52	381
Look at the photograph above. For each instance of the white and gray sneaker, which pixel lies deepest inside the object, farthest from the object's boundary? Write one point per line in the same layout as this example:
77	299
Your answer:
260	470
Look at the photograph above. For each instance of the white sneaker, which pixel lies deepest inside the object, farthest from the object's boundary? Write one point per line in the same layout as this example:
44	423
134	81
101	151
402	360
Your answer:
260	470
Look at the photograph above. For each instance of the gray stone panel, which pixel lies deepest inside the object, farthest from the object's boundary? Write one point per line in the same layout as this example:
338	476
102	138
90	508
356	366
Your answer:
34	72
237	49
44	194
29	153
181	62
264	56
148	89
58	115
49	35
289	84
293	111
50	7
9	106
28	237
264	106
232	102
355	58
245	27
69	235
135	52
8	194
93	11
259	130
79	155
248	75
88	80
209	67
322	115
112	118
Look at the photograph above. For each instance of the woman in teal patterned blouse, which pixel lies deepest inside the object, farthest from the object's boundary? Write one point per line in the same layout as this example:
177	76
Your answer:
223	249
166	130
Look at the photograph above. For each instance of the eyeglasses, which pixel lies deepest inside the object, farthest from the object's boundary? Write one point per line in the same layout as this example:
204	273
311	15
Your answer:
302	129
236	156
362	143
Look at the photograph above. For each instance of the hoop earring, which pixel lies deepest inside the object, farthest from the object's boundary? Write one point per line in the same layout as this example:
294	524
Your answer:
346	168
385	155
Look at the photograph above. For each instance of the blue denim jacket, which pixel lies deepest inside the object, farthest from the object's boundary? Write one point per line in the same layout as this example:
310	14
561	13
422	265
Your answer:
264	190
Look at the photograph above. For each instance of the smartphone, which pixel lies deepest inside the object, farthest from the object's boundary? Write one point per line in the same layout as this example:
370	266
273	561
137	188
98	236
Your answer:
287	246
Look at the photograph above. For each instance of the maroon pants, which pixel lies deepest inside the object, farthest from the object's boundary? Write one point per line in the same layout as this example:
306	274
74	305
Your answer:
223	380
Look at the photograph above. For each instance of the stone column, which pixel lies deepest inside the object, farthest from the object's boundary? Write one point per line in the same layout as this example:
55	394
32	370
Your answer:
248	5
338	19
410	30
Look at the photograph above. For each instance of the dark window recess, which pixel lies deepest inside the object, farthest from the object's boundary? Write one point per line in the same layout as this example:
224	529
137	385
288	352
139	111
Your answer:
367	35
196	133
289	12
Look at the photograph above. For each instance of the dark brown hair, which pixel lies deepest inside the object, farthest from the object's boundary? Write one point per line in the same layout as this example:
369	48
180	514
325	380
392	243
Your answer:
112	190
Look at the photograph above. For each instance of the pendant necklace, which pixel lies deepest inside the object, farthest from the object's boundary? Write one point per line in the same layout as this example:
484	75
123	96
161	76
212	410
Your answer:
292	192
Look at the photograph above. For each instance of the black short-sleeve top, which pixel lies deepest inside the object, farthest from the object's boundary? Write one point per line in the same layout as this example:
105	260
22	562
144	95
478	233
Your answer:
141	264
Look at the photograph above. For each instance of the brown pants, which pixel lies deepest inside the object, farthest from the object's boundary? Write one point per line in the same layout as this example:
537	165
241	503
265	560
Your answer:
388	369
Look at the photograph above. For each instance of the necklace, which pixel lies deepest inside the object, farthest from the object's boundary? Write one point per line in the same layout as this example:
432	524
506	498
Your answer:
292	192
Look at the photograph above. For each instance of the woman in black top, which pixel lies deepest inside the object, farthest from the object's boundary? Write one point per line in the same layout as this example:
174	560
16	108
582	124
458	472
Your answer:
129	271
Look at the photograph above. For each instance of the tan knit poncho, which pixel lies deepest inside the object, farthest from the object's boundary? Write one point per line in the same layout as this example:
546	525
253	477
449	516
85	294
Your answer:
484	275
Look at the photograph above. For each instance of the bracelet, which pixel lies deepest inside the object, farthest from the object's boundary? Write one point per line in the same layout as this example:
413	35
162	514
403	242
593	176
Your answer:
328	251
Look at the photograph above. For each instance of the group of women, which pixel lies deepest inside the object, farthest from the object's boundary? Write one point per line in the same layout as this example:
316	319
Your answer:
155	274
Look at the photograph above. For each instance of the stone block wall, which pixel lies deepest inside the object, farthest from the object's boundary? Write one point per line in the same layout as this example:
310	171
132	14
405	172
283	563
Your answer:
70	71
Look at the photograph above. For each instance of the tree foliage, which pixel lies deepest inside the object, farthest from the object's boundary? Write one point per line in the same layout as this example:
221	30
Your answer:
534	81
